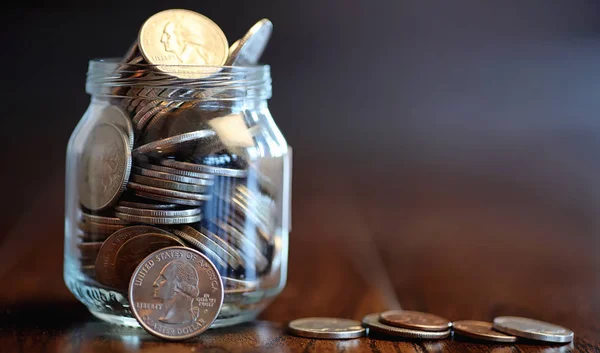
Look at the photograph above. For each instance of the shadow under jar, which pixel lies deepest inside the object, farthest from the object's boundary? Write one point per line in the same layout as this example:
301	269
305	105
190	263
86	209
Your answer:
177	155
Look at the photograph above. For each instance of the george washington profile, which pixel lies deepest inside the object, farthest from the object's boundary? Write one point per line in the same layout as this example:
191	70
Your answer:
188	47
177	286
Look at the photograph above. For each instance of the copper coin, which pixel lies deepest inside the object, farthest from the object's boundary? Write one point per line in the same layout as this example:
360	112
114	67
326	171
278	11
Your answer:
89	250
415	320
105	261
99	228
372	322
176	293
480	330
136	249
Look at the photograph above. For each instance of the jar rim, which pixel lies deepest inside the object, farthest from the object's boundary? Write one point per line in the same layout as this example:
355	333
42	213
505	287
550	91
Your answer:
105	75
116	62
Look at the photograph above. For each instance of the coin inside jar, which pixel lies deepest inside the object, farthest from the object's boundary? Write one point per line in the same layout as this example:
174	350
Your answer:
176	293
135	250
415	320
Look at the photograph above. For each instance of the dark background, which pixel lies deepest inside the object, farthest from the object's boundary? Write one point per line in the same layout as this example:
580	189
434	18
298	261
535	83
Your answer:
502	93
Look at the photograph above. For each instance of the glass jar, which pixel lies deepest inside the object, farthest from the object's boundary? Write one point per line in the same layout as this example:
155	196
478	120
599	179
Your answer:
177	155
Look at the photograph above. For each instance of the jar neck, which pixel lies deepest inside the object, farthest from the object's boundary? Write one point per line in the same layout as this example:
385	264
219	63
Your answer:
247	85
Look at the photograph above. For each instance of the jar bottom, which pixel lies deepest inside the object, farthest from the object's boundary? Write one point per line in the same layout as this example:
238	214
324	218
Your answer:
112	306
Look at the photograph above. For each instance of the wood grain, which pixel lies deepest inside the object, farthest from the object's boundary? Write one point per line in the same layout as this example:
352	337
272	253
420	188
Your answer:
365	239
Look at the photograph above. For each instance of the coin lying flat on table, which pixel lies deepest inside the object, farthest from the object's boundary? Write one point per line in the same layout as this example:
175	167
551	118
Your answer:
532	329
372	322
105	166
326	328
415	320
480	330
176	293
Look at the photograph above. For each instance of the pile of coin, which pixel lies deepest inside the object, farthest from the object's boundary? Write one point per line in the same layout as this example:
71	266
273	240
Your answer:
155	171
414	325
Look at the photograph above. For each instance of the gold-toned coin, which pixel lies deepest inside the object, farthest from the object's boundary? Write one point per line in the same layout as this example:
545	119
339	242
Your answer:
183	37
480	330
415	320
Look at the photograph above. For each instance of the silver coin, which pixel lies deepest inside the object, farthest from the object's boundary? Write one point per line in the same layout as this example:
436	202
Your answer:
238	286
200	246
112	114
147	206
232	259
159	220
195	178
167	184
101	219
251	46
158	213
532	329
372	322
171	177
104	167
176	293
172	144
243	261
241	239
152	196
326	328
193	167
247	248
480	330
167	192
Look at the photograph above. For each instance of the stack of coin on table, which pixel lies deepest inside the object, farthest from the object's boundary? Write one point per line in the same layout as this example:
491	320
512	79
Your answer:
414	325
155	173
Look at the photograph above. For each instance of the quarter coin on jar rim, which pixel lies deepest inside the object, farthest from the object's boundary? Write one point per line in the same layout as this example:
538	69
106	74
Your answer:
104	167
248	50
326	328
105	261
415	320
135	250
176	293
372	322
183	37
480	330
533	329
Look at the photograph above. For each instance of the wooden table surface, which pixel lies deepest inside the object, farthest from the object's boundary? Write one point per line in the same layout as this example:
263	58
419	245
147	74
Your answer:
462	243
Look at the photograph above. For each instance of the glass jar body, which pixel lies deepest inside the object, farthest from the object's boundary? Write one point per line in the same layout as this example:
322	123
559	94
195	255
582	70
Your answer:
208	174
